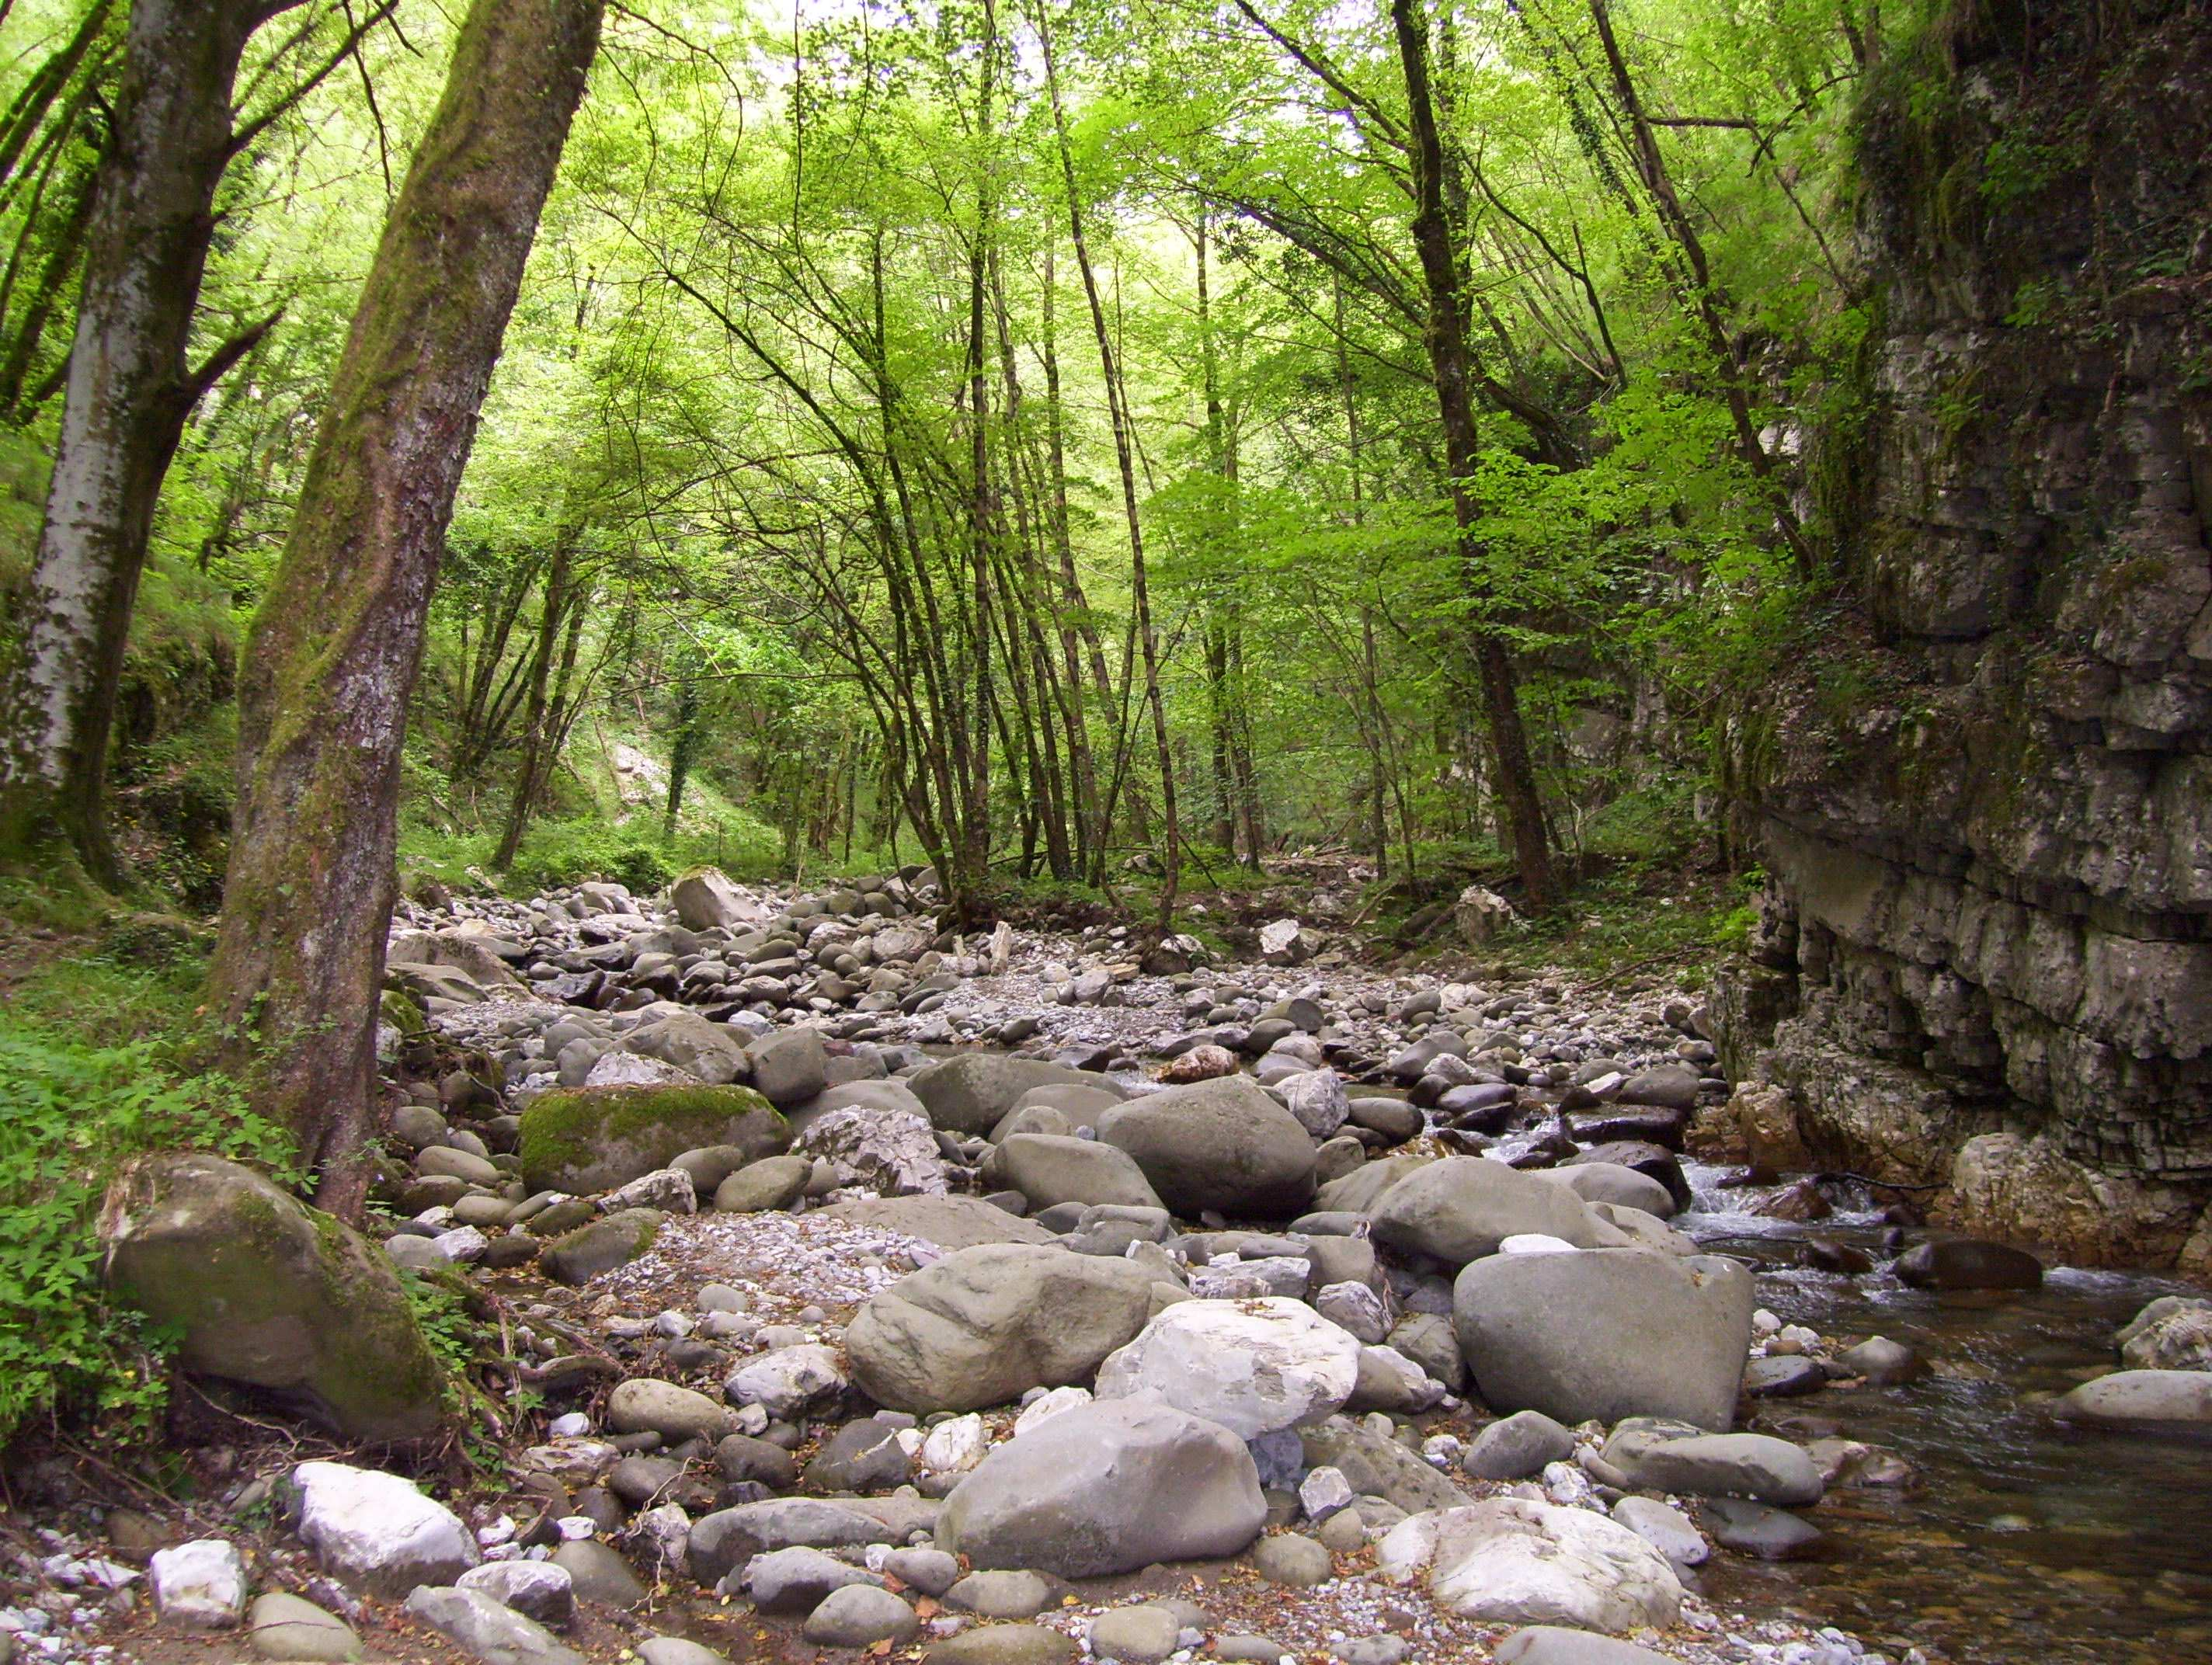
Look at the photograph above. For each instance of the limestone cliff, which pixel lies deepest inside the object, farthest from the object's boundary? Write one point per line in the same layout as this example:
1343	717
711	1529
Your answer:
1986	807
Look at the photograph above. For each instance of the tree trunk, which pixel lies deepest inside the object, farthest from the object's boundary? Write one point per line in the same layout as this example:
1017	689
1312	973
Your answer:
338	644
129	388
536	755
1452	365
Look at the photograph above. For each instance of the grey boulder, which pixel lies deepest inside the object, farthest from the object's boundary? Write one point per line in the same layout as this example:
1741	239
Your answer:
1462	1208
1048	1170
1223	1144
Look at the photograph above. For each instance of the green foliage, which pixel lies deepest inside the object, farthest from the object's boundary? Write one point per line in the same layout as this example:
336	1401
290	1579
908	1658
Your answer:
73	1110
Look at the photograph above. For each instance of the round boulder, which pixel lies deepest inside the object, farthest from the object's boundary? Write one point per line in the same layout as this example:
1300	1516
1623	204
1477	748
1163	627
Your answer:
1220	1144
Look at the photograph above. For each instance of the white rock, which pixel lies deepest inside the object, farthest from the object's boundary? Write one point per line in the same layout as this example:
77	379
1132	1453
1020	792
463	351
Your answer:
668	1189
890	1151
569	1424
200	1585
1317	1099
575	1528
377	1531
1251	1366
1323	1492
1048	1405
1666	1528
1513	1560
1535	1242
537	1589
464	1244
1356	1308
787	1380
955	1446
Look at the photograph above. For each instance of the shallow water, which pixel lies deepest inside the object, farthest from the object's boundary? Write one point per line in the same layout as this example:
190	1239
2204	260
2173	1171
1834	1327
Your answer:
2020	1541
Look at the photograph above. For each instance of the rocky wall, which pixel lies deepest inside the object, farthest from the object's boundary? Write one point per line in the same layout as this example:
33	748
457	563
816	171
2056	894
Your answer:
1985	804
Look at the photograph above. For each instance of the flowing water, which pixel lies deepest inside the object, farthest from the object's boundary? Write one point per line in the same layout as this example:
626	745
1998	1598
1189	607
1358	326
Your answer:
2020	1541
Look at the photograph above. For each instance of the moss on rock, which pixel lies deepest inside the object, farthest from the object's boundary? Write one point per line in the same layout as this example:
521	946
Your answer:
593	1138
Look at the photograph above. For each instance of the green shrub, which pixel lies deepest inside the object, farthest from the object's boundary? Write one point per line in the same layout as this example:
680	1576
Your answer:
70	1113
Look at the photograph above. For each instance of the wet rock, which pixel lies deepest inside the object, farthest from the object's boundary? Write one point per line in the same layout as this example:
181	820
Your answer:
1251	1366
2147	1400
1605	1334
268	1293
378	1532
1884	1363
984	1325
1107	1488
1754	1529
2173	1332
1514	1561
1784	1377
1222	1145
1968	1263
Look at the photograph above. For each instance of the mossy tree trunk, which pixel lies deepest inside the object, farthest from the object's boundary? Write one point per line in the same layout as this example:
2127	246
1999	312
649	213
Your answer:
129	387
338	644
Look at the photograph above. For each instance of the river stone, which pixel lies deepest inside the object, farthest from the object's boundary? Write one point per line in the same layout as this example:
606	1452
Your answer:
950	1222
479	1626
1516	1447
1608	1333
790	1067
704	898
860	1615
677	1650
1666	1528
378	1532
677	1414
697	1047
796	1579
1754	1466
1882	1362
264	1291
1105	1488
600	1248
1004	1644
1516	1561
1047	1170
1555	1644
2141	1399
1426	1338
1142	1635
984	1325
586	1140
1967	1263
200	1585
785	1381
536	1589
1461	1208
598	1573
1375	1465
759	1188
1289	1558
283	1626
970	1093
892	1152
741	1457
1013	1593
864	1455
1316	1098
1251	1365
1222	1145
729	1538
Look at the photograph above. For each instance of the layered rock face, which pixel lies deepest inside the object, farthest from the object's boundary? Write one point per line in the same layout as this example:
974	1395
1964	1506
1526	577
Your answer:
1985	806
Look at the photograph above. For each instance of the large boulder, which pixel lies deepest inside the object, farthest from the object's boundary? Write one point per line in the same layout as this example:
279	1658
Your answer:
264	1291
971	1092
1106	1488
1047	1169
892	1152
985	1325
1607	1333
2157	1400
1461	1208
1516	1561
682	1038
791	1066
1220	1144
1359	1191
705	898
1253	1366
584	1140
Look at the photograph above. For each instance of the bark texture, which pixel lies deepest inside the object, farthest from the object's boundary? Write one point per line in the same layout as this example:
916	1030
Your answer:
335	649
129	387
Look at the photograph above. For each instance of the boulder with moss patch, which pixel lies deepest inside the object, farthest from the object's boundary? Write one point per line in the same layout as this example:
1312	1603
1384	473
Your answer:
272	1295
593	1138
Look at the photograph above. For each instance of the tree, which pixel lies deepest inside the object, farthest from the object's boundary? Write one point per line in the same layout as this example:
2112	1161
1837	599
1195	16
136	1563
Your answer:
338	643
131	385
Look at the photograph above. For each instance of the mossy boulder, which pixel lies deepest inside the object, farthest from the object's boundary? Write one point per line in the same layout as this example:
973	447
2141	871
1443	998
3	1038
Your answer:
593	1138
273	1295
583	1254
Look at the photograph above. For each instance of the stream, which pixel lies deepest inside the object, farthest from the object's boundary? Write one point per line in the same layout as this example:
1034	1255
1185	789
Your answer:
2020	1541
